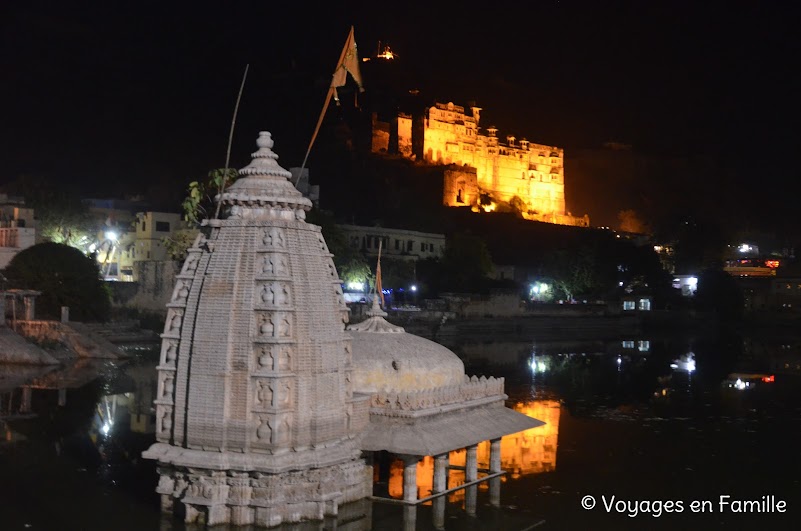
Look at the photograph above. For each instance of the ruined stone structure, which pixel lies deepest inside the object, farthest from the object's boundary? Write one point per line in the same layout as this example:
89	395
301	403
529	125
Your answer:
256	422
532	173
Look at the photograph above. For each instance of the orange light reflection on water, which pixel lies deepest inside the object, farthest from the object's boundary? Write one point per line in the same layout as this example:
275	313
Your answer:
528	452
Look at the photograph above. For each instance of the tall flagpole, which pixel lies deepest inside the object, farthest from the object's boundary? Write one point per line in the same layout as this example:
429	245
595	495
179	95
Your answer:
230	141
316	130
379	286
349	43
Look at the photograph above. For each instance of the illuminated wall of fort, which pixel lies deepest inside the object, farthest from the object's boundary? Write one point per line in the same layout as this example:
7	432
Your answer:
534	173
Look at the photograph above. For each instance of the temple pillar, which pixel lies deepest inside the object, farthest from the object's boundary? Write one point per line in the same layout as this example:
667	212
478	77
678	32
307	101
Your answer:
494	468
440	473
410	477
471	464
29	304
438	511
409	517
470	498
25	406
495	456
495	492
62	396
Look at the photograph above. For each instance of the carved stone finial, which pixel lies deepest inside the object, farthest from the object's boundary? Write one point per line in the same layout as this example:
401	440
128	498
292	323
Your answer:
375	310
264	160
264	189
375	322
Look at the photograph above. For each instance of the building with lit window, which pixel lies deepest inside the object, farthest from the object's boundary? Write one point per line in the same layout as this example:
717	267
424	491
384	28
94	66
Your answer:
152	228
395	243
17	230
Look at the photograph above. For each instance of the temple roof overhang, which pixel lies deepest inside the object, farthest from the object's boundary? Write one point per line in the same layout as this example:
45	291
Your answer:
444	432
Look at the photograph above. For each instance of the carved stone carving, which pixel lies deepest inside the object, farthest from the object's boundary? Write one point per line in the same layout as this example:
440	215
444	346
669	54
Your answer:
170	352
284	327
274	237
285	358
165	422
181	292
167	385
268	294
264	432
266	359
284	394
266	326
174	323
190	264
264	394
281	294
275	264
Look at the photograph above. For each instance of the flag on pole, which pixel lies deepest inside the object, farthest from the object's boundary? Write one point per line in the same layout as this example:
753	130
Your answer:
348	64
379	289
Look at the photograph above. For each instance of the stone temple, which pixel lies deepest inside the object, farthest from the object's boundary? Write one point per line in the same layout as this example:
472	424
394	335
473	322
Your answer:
268	409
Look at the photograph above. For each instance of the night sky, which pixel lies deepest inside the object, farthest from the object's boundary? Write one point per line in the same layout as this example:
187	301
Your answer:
112	96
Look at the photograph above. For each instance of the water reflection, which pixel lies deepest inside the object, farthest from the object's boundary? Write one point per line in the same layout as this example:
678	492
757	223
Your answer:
74	434
528	452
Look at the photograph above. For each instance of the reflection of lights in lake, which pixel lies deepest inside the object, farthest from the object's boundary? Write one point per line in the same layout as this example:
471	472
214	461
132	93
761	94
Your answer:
743	381
538	365
106	428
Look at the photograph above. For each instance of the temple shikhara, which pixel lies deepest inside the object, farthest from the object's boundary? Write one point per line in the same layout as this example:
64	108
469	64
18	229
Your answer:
482	171
270	411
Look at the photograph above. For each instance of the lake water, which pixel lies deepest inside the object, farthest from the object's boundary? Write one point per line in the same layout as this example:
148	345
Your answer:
653	429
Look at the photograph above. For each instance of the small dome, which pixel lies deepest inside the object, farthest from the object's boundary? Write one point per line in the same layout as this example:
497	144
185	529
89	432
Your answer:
401	362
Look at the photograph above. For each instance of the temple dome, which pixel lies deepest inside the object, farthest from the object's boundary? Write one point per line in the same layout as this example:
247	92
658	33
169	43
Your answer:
386	358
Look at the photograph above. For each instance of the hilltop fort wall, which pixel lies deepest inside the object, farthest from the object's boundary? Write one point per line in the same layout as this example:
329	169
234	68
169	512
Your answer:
519	172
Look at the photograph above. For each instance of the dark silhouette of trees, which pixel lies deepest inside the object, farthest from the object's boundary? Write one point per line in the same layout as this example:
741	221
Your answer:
66	277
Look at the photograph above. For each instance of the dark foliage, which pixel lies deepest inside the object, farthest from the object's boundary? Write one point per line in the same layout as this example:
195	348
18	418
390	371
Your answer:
66	277
718	292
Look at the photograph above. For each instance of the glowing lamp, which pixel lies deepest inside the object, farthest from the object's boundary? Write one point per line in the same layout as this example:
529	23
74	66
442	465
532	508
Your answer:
413	288
111	235
356	286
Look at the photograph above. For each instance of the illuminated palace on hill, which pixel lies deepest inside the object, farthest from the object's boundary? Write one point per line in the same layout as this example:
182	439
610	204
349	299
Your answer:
478	164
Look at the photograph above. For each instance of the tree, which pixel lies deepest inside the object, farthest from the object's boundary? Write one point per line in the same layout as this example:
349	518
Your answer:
719	292
177	245
200	202
466	262
350	263
60	214
66	277
574	271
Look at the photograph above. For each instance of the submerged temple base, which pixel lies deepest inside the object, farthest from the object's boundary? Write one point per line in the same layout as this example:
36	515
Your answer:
254	498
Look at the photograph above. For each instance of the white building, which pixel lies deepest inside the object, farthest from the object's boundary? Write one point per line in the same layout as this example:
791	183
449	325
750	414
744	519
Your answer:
395	243
17	228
